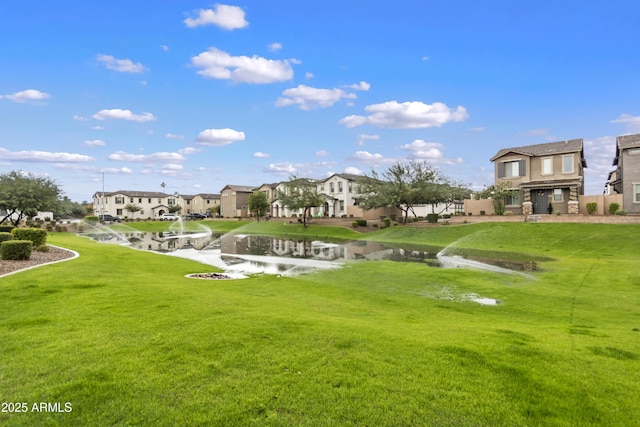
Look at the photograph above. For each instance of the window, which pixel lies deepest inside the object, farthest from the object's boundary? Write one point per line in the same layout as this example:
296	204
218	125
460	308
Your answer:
341	205
512	199
340	187
511	169
547	166
331	188
557	194
149	201
131	200
119	200
119	211
636	193
567	164
171	202
139	199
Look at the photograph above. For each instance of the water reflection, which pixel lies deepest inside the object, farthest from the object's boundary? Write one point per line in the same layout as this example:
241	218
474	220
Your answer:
251	254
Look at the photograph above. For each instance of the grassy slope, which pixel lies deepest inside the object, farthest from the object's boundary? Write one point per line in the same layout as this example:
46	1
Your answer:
364	345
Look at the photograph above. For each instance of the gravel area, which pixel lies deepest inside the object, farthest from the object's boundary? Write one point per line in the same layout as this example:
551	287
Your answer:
37	258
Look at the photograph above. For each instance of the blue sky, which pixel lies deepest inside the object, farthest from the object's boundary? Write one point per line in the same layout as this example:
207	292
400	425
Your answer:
198	95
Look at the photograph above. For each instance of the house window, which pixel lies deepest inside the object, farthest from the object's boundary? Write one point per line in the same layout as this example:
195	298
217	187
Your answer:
148	200
119	200
140	200
512	199
131	200
340	187
547	166
567	164
208	201
171	202
188	201
557	194
511	169
119	212
341	205
636	193
331	188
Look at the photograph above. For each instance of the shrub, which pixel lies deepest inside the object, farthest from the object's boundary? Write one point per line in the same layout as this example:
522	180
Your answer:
433	217
16	249
387	222
361	222
592	208
4	236
43	248
621	212
374	225
6	228
613	208
508	213
354	224
91	219
37	236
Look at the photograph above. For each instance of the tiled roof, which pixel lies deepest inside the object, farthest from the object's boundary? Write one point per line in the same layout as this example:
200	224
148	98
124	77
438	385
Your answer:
241	188
550	148
208	195
628	141
130	193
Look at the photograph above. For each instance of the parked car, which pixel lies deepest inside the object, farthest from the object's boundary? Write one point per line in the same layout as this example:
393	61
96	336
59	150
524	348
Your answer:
196	216
108	218
169	217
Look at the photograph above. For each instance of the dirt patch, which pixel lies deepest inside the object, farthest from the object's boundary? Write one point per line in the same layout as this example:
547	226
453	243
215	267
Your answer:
212	276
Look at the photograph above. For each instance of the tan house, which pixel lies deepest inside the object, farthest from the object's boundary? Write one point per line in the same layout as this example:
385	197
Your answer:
270	191
205	203
545	178
234	200
625	179
149	204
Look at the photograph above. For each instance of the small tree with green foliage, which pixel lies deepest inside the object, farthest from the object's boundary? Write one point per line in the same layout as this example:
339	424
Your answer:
300	193
498	194
258	204
22	195
132	209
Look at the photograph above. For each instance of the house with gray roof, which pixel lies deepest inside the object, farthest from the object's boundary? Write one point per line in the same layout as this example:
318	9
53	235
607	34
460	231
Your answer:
626	179
149	204
234	200
544	178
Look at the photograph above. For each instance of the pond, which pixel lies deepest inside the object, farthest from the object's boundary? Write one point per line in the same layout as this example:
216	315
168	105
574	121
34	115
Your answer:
251	254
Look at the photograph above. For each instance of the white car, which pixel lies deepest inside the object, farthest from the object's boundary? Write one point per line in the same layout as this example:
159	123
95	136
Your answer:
169	217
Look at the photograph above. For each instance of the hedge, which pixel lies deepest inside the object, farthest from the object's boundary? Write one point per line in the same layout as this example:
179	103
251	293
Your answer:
4	236
37	236
16	249
6	228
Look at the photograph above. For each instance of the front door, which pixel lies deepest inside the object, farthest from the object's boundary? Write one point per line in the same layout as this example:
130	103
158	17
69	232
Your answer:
540	201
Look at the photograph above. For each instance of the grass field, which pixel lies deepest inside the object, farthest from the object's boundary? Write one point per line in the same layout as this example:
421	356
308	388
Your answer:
125	339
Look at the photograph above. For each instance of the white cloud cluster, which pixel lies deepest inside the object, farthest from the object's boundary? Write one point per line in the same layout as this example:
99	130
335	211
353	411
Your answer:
373	159
219	137
223	16
261	155
27	95
43	156
283	168
118	114
114	171
94	143
308	98
174	136
406	115
274	47
364	86
363	138
632	122
217	64
147	158
353	170
430	151
121	65
599	153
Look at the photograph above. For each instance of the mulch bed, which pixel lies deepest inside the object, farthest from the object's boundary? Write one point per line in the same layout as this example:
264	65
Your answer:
37	258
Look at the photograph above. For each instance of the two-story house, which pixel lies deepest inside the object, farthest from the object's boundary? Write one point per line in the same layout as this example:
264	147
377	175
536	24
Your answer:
205	203
544	178
234	200
339	192
133	204
626	178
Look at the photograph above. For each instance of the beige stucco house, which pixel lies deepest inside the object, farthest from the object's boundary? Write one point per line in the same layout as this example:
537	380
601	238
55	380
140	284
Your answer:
152	204
625	179
234	200
543	177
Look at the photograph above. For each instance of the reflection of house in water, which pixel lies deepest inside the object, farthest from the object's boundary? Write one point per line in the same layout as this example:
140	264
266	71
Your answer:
168	241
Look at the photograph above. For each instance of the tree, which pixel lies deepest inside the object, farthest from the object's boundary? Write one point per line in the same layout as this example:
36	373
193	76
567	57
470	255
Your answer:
258	204
23	194
300	193
497	193
175	208
405	185
66	207
131	208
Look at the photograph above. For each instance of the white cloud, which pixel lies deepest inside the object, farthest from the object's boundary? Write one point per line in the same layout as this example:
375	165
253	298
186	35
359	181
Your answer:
425	58
217	64
219	137
121	65
632	122
124	170
599	153
368	158
353	170
173	167
94	143
118	114
174	136
274	47
429	151
283	168
322	153
223	16
188	150
164	47
261	155
360	86
80	118
309	98
28	95
43	156
407	115
308	75
363	138
148	158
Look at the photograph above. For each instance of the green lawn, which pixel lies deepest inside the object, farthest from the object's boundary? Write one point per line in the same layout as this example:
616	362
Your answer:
125	338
